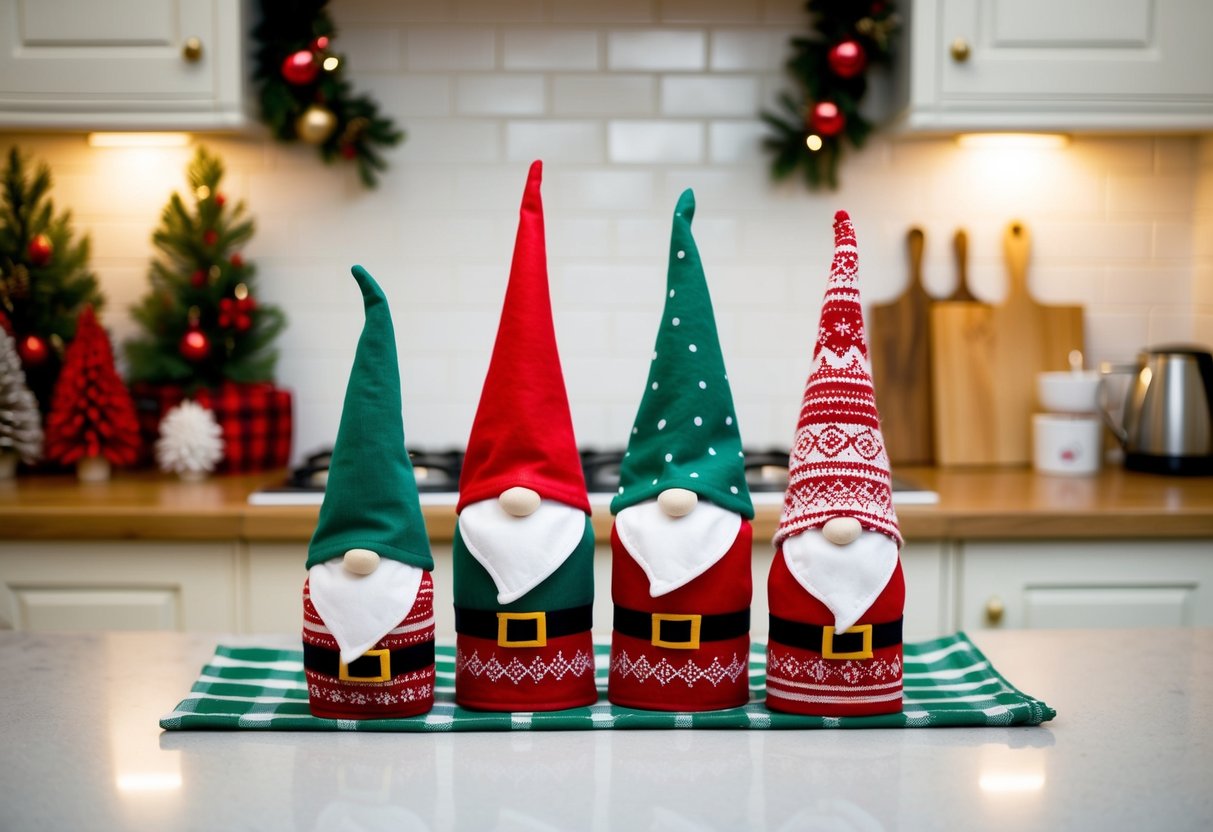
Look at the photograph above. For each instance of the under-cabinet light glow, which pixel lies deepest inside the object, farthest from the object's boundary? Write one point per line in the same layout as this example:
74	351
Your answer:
138	139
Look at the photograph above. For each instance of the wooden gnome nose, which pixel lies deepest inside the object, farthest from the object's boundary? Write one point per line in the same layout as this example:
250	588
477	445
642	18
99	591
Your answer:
519	501
841	530
360	561
677	502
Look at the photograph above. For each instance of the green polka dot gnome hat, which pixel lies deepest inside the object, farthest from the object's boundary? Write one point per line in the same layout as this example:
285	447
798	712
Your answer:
685	434
370	500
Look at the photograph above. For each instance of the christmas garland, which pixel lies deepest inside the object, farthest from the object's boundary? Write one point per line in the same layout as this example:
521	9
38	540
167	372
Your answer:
830	69
303	91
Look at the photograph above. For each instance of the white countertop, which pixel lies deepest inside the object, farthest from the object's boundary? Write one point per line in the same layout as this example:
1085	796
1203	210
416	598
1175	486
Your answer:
1131	748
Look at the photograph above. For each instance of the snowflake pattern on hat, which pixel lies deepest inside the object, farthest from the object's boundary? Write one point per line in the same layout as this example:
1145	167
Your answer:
839	466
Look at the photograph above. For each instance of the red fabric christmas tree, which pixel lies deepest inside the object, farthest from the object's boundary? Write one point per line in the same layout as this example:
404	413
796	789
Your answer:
92	413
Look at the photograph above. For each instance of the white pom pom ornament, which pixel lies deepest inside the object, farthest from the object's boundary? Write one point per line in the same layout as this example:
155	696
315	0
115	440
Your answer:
191	441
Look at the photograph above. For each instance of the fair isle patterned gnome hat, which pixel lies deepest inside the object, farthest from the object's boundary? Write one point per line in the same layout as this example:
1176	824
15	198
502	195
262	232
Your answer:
685	434
370	501
523	432
839	466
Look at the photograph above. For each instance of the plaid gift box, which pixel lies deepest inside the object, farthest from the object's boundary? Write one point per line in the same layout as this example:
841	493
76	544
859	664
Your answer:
256	420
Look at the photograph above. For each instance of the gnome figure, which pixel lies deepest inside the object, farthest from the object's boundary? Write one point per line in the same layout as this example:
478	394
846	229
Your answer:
368	603
836	590
524	547
681	540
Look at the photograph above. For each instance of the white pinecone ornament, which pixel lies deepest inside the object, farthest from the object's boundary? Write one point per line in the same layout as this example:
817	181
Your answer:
20	421
191	441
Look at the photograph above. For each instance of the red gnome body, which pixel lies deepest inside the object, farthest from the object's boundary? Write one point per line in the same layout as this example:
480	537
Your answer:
835	589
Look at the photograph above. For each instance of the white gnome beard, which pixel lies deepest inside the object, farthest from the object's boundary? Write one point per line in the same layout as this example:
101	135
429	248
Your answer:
673	551
520	553
847	579
359	610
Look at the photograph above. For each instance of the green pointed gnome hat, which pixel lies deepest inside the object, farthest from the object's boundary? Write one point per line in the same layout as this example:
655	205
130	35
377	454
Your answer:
685	434
370	500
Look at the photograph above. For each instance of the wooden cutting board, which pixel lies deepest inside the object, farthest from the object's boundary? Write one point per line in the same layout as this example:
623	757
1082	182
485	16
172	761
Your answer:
986	392
901	366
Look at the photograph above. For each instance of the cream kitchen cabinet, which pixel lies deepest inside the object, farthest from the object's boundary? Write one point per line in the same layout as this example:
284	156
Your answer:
1056	584
123	64
119	585
1075	65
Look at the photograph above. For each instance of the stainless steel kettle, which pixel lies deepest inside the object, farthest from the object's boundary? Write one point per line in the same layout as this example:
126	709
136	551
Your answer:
1166	425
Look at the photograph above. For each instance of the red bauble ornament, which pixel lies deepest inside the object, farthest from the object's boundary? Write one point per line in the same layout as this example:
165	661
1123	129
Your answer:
847	59
210	237
301	68
827	119
320	44
349	150
219	200
195	346
236	260
198	279
33	350
40	250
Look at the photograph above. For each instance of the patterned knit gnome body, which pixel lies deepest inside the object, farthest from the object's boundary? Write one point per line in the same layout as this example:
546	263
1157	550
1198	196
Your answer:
524	547
368	602
835	590
681	542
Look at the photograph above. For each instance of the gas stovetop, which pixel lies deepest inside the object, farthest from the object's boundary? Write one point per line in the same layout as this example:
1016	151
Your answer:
437	474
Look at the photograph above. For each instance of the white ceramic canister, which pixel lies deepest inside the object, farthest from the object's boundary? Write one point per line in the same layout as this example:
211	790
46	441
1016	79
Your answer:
1064	443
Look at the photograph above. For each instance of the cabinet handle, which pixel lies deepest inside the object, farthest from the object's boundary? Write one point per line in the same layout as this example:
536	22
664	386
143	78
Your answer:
995	609
192	50
959	50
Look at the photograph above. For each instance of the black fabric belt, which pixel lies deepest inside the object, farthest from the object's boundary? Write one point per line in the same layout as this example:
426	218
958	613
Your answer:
523	629
371	666
856	643
681	631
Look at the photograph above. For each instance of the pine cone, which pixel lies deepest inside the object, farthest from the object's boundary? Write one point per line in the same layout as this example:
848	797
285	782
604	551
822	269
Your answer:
191	441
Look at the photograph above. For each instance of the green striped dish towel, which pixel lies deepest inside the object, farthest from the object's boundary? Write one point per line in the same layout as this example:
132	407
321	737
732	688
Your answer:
948	681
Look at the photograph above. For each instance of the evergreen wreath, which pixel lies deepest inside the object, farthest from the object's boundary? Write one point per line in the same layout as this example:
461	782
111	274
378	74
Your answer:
303	91
830	69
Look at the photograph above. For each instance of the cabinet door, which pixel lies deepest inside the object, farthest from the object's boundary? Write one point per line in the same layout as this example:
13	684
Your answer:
121	64
1078	64
1086	584
76	585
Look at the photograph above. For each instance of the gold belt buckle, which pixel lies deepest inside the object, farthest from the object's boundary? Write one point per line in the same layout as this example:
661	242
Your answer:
692	642
541	629
827	642
385	668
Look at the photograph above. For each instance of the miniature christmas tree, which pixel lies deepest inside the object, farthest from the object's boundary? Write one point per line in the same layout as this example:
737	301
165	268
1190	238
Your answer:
191	441
92	414
20	420
202	322
44	276
304	94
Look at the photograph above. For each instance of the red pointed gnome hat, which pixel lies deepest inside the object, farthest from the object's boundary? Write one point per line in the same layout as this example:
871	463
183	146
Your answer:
839	466
523	432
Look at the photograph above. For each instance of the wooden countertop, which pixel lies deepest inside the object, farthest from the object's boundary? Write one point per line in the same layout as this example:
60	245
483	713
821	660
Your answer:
973	504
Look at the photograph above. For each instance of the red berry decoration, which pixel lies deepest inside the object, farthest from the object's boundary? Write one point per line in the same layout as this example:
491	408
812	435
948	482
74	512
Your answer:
349	150
827	119
847	59
210	237
198	278
219	200
195	346
301	68
320	44
236	260
33	350
40	250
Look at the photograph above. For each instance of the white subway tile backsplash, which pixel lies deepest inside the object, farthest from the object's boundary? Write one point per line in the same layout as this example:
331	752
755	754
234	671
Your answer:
604	189
370	48
481	11
707	95
1149	195
737	142
554	141
1174	240
604	95
657	49
604	11
457	141
710	11
411	96
754	50
632	142
500	95
429	48
1147	286
579	237
550	49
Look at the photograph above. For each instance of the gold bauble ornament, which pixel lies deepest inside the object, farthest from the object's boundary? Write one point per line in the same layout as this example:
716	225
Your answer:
316	124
